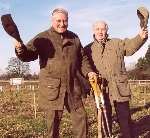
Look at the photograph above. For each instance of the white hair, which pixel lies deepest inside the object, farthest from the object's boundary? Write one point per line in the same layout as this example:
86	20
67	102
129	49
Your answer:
101	22
60	10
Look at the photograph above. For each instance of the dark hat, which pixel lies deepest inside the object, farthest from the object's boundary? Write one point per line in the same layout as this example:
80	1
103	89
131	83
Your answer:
143	15
10	26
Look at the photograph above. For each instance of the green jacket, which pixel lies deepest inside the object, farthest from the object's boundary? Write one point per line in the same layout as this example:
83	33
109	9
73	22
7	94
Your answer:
61	59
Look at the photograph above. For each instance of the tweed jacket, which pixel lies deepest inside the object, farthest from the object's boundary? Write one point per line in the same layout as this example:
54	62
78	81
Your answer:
108	60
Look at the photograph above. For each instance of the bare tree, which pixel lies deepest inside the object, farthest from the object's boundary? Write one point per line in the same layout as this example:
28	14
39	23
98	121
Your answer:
17	68
147	56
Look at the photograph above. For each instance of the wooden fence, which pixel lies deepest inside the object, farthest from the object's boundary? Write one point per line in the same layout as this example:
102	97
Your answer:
33	86
26	85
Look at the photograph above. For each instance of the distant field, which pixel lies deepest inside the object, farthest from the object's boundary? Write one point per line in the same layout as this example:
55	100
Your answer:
17	115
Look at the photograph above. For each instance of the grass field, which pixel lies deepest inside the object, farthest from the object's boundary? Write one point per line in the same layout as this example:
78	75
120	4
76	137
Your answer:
17	116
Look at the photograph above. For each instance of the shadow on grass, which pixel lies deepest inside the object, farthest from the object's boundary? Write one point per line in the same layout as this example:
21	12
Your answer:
136	109
142	127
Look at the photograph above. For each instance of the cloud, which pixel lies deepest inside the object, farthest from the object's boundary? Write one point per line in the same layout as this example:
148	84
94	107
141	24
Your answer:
120	15
4	7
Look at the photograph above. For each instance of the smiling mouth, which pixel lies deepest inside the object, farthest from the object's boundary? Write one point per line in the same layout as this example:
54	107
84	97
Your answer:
62	27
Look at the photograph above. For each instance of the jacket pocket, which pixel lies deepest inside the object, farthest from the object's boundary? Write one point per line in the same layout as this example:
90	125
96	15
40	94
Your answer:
53	88
122	78
122	85
123	89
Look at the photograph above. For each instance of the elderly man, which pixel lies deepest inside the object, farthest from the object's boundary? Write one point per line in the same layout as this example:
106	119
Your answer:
107	57
61	60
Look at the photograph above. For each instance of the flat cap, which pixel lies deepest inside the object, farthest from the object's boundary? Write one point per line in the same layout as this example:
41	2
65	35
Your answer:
143	15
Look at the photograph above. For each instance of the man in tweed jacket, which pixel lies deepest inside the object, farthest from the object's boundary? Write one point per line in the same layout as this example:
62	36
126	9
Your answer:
107	57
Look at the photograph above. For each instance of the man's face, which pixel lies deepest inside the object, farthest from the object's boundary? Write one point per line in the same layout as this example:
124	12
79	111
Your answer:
60	22
100	31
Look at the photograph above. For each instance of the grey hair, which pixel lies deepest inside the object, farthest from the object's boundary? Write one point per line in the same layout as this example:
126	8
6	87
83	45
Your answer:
60	10
101	22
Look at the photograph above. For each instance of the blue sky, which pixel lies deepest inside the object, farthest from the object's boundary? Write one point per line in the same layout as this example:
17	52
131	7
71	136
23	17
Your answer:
33	16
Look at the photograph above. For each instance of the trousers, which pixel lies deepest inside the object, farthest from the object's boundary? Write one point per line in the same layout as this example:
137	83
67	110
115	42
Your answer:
78	117
124	118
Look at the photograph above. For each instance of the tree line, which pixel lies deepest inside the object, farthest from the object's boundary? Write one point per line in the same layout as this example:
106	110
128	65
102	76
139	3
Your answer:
142	68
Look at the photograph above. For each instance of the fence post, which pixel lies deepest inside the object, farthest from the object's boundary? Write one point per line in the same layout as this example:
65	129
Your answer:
34	104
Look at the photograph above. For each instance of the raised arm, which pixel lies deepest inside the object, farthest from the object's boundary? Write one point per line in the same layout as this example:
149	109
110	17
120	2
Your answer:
130	46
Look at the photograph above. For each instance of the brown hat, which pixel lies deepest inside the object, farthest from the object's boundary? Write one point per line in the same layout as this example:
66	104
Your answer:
143	15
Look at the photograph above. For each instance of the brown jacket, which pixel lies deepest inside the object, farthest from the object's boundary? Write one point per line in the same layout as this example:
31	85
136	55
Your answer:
108	60
61	59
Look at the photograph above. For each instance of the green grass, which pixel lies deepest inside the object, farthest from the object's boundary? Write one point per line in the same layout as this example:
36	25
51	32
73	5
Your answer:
17	119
